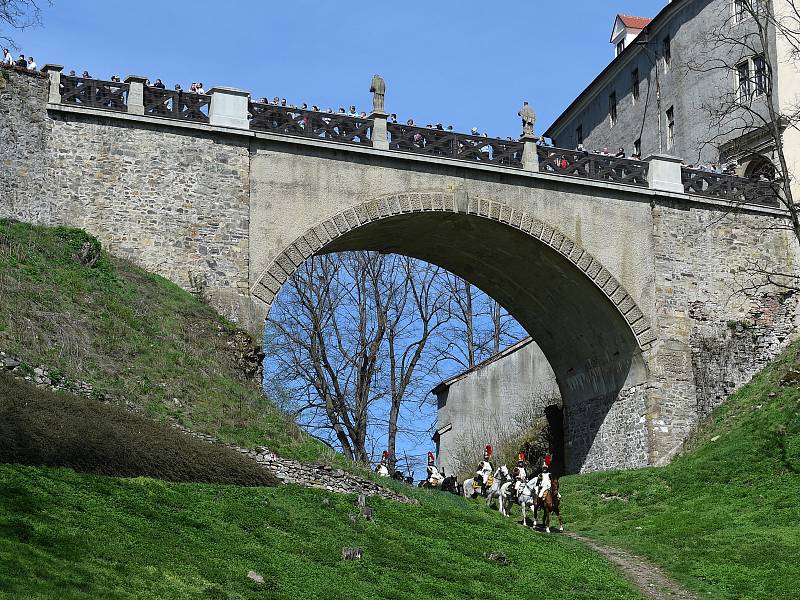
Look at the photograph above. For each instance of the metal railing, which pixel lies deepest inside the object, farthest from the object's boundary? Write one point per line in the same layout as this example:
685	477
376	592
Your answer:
592	166
94	93
186	106
448	144
335	127
729	187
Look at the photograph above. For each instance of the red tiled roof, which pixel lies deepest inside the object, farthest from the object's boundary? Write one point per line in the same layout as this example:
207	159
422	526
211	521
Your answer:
634	22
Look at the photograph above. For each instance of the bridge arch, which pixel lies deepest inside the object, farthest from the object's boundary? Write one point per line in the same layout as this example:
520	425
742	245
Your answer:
586	323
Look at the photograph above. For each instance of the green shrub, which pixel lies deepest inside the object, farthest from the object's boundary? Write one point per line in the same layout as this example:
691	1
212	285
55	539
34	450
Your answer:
41	427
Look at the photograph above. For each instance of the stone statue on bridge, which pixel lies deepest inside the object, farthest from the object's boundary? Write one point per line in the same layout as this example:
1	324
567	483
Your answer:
528	120
378	89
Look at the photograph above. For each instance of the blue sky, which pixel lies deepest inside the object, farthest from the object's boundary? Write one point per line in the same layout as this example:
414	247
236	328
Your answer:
465	63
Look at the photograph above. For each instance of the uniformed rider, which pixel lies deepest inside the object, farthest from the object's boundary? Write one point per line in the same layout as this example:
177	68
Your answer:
434	477
382	469
520	475
543	483
485	469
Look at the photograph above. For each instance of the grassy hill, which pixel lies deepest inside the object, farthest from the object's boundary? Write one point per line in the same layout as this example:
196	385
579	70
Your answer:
133	335
67	535
724	519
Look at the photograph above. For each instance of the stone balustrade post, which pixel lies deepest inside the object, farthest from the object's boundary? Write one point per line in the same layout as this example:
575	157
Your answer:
229	107
53	73
664	173
530	157
135	94
380	134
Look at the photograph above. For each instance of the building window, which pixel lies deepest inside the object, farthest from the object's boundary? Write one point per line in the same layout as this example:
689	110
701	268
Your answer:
670	127
635	85
761	79
579	135
612	108
637	149
620	47
743	81
746	9
666	51
738	11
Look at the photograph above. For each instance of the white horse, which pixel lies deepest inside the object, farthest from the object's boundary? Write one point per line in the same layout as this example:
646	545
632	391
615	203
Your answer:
499	488
529	497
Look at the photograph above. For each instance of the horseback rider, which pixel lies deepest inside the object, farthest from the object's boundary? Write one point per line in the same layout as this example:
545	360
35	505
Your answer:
543	483
485	469
520	476
434	477
382	469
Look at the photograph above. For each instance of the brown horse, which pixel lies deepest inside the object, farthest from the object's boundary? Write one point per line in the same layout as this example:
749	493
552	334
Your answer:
552	504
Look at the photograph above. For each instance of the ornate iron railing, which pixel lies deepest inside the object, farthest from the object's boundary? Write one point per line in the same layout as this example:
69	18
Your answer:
592	166
308	123
94	93
173	104
436	142
728	187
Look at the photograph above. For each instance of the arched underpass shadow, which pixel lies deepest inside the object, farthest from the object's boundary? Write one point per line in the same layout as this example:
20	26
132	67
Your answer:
578	324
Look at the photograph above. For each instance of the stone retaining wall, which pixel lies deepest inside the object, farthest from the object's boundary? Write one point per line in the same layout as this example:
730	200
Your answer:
287	470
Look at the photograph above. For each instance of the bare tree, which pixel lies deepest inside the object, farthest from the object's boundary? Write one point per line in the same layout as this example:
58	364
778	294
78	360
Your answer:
479	327
416	312
19	15
351	333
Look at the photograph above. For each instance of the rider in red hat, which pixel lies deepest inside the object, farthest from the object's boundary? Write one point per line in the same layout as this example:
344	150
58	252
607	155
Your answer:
382	468
434	477
485	468
520	475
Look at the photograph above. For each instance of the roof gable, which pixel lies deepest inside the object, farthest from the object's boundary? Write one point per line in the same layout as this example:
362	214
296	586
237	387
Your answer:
628	23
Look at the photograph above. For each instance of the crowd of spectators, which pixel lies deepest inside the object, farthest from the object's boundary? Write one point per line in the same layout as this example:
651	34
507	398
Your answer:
22	62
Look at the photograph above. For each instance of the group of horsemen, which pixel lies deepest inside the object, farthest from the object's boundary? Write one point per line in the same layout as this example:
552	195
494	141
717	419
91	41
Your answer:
485	475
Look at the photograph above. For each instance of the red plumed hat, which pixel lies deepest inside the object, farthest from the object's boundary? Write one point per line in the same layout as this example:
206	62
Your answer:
548	459
488	449
430	458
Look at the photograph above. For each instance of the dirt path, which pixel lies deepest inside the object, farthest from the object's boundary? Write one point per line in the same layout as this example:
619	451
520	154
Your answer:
649	579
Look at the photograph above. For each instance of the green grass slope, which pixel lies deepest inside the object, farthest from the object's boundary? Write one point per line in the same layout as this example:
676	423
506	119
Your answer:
66	535
133	335
723	519
40	427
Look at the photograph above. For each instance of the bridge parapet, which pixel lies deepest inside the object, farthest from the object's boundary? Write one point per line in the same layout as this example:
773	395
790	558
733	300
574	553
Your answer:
235	110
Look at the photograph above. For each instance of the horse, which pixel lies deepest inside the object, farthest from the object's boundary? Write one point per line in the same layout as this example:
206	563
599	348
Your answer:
499	489
552	504
471	487
529	497
450	484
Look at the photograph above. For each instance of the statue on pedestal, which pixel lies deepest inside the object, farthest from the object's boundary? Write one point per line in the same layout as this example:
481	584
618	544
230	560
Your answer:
378	89
528	120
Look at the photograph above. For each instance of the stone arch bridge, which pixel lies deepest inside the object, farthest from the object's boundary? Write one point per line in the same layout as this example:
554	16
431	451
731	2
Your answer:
622	271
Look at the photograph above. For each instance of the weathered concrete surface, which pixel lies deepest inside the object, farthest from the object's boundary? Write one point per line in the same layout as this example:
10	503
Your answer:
606	278
516	383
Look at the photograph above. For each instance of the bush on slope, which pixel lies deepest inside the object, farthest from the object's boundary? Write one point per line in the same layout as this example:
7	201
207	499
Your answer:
39	427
